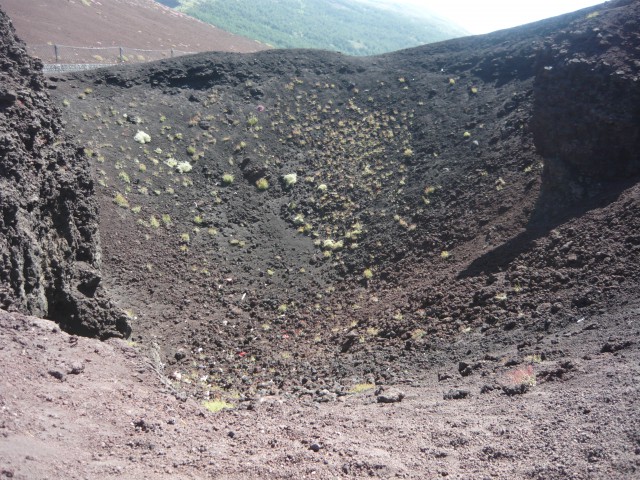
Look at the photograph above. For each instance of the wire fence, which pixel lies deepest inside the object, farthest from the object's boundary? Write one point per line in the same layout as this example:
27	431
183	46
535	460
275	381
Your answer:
63	54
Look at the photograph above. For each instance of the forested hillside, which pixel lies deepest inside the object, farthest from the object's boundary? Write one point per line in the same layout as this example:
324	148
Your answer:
347	26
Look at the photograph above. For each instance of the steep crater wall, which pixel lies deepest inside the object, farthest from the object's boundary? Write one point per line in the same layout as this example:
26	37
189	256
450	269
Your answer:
49	244
586	119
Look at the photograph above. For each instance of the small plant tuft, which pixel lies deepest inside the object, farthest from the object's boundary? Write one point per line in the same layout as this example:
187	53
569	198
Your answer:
330	244
184	167
142	137
290	179
522	376
262	184
121	201
362	387
217	405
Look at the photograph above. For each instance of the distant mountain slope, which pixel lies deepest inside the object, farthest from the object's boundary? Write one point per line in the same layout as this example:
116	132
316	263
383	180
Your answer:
142	24
348	26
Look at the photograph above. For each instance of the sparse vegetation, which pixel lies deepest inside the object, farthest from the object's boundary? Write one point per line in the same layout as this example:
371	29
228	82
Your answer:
142	137
217	405
331	244
184	167
121	201
290	179
396	247
262	184
522	376
362	387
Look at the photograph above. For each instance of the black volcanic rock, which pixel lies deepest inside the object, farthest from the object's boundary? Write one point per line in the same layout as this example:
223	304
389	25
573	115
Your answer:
586	115
49	243
434	197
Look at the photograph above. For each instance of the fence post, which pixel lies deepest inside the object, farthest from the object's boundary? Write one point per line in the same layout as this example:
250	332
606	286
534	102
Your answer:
55	51
121	57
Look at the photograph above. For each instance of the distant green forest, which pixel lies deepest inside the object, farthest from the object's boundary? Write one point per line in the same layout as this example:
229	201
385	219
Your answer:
348	26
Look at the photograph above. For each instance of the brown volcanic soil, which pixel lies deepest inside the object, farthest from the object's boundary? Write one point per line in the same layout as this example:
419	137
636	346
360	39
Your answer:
503	264
111	419
142	24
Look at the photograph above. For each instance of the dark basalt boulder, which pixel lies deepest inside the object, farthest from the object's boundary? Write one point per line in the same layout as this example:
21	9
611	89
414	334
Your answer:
49	242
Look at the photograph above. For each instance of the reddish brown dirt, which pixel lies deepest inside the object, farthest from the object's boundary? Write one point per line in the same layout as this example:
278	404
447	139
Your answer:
113	419
503	262
142	24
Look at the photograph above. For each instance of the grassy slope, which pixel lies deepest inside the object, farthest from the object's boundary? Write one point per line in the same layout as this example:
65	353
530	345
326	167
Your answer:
343	25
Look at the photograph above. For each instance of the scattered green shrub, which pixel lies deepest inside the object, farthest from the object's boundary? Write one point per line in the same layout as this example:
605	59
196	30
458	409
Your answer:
217	405
330	244
290	179
124	177
361	387
121	201
184	167
142	137
262	184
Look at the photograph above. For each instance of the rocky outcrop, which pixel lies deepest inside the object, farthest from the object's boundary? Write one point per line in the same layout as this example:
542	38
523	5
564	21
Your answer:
586	120
49	243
